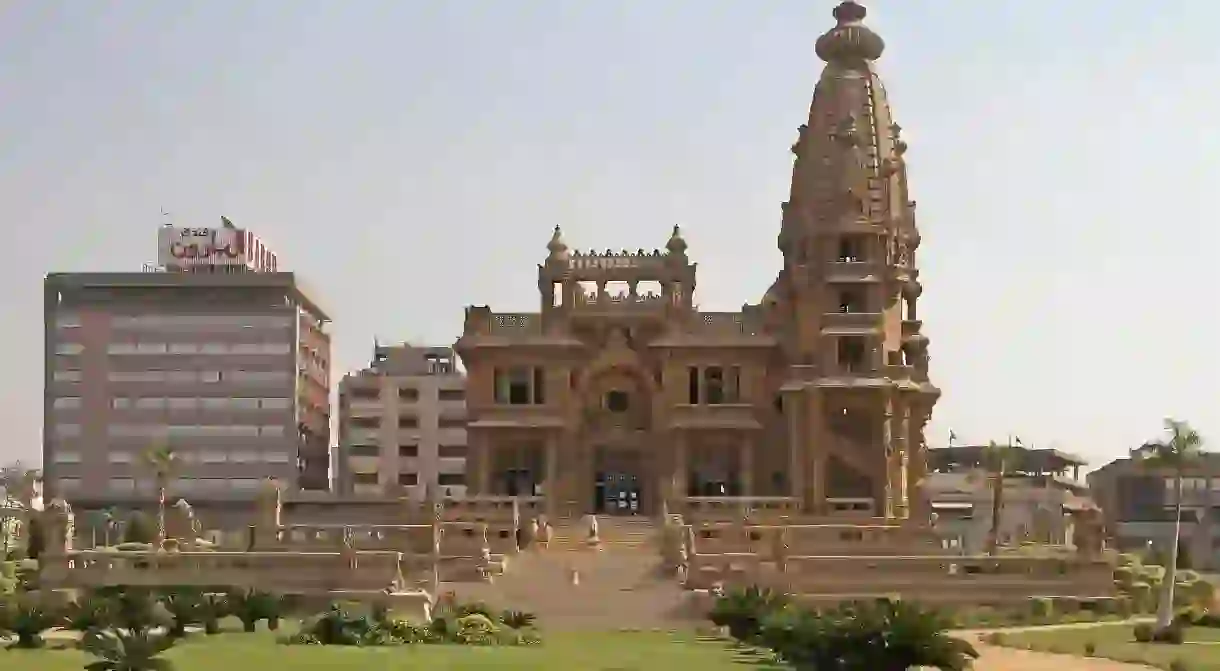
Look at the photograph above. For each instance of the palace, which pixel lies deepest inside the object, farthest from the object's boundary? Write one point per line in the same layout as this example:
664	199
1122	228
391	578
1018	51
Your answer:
618	395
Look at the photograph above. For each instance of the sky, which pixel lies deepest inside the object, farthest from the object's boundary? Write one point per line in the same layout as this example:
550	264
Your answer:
409	158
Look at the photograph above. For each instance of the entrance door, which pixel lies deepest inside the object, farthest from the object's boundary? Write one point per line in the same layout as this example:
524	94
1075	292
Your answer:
619	485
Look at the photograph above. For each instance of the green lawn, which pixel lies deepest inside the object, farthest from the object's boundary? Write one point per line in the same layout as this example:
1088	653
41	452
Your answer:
560	652
1201	651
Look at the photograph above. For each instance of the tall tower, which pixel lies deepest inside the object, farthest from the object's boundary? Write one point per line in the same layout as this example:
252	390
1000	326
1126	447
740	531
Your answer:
856	395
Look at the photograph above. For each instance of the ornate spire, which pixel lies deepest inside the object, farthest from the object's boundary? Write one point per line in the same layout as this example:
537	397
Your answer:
850	41
557	247
676	244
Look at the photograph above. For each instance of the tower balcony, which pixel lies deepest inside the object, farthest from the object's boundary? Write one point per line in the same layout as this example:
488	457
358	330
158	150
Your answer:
851	323
844	271
619	304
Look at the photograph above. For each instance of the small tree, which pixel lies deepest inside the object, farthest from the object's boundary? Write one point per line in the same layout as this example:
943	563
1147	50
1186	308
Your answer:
1179	451
139	529
161	462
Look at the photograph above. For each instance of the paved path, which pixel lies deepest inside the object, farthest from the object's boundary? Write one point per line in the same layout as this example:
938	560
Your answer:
992	658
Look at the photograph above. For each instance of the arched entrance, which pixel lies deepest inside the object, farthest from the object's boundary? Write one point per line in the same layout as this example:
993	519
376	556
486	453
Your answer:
617	425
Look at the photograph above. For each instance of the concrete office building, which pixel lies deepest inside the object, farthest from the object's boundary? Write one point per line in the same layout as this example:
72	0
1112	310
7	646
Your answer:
402	424
230	369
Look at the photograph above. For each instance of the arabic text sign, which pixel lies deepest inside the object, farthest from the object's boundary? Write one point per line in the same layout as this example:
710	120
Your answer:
201	247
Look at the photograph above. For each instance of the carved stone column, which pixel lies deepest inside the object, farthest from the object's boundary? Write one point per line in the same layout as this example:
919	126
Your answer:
816	442
917	464
552	490
480	472
902	500
746	476
680	466
884	485
796	446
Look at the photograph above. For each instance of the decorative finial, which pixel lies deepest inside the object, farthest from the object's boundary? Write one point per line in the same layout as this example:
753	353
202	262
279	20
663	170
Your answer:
850	42
676	244
557	247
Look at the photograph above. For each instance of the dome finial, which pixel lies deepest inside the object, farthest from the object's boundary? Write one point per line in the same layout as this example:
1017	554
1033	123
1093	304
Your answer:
557	247
676	244
850	41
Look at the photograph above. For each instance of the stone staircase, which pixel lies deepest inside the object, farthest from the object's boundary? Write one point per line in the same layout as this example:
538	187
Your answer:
619	586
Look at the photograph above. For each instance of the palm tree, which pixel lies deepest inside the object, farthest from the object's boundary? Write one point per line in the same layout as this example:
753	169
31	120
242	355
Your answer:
161	462
1179	451
997	459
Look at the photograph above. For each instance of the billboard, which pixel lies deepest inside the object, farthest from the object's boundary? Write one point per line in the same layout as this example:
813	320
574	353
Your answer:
179	248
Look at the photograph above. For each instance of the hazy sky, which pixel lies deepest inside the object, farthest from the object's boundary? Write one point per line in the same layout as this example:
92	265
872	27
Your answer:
411	157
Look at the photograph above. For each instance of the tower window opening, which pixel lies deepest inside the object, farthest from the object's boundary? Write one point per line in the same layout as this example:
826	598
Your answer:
851	302
617	400
513	386
851	354
557	294
693	386
851	249
713	379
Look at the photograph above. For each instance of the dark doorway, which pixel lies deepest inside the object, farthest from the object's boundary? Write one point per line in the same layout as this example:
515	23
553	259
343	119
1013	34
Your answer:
619	482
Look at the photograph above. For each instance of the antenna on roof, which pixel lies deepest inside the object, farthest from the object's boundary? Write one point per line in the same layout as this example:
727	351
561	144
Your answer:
165	218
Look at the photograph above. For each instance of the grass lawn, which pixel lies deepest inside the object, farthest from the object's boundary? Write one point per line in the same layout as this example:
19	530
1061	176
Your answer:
560	652
1201	651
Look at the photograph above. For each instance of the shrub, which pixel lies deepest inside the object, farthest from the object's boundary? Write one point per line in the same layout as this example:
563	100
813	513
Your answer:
250	606
517	619
126	650
139	528
865	637
742	611
25	617
1042	608
1090	648
1174	634
89	612
1143	632
476	629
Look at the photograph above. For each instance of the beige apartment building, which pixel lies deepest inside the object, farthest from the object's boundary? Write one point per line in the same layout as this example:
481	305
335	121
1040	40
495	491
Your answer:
402	424
230	369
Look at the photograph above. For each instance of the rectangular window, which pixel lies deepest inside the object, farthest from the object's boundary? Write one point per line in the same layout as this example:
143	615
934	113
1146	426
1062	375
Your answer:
451	451
692	387
850	352
67	430
67	320
69	484
517	385
365	422
276	457
67	402
124	485
450	479
408	422
119	457
451	423
364	451
451	394
713	384
67	376
364	478
408	479
408	394
67	457
408	450
69	348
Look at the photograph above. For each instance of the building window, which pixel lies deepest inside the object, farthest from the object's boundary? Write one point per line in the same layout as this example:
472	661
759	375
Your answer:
851	302
850	352
519	385
617	401
364	450
67	430
408	394
451	451
450	479
408	479
408	422
851	249
364	478
451	394
67	457
67	376
692	386
451	423
365	422
721	384
408	450
364	393
67	402
69	348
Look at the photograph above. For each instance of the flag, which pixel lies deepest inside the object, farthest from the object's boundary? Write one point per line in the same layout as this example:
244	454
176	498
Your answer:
952	437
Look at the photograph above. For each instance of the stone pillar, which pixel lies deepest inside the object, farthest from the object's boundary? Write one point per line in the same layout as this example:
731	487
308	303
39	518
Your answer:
884	484
902	498
747	465
816	443
680	473
482	462
552	475
796	446
917	465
